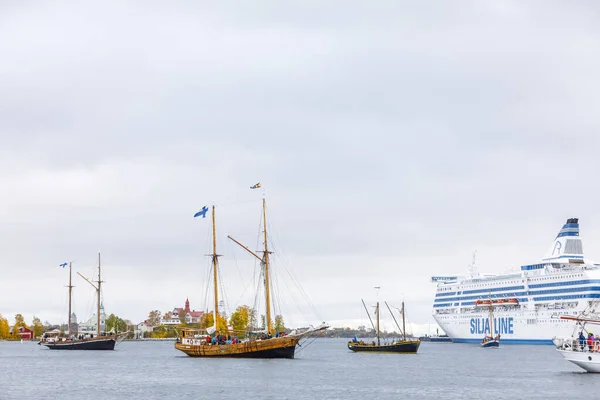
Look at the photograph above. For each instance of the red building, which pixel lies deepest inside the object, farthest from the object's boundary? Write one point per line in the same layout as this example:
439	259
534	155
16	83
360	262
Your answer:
25	333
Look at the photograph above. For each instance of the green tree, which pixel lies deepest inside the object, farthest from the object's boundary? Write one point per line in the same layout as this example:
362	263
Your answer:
4	328
115	323
154	317
240	319
279	325
38	327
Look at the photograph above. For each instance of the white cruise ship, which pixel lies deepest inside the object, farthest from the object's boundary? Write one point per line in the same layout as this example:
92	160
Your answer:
526	304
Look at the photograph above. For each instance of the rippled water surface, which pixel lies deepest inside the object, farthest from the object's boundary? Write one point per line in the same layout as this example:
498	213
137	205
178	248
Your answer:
325	369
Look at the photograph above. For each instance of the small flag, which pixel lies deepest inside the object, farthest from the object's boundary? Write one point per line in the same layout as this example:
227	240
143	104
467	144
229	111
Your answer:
201	212
64	265
255	186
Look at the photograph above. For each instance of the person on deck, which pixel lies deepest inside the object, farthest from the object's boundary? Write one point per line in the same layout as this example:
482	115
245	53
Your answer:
590	341
581	341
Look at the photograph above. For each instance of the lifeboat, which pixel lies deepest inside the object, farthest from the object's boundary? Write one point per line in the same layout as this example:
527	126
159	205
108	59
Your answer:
497	302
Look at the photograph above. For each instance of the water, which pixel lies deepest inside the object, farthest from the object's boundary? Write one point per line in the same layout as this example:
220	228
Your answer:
323	370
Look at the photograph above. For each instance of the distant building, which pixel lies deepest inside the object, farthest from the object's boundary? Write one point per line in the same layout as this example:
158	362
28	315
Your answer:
24	332
91	324
142	328
74	324
190	316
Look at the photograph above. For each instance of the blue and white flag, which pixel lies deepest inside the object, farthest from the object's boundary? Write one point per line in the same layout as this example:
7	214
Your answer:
201	213
64	264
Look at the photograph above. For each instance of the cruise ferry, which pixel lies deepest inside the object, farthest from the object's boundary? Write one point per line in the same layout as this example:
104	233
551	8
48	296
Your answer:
527	304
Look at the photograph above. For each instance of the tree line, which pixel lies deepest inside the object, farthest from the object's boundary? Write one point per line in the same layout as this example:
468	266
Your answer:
36	327
243	320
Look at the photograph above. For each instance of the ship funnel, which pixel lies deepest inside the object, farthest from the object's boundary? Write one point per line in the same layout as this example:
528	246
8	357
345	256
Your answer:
567	247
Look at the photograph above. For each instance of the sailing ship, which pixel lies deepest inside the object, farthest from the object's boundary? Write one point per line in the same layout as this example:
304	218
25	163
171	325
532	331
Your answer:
410	346
489	340
581	348
269	344
74	340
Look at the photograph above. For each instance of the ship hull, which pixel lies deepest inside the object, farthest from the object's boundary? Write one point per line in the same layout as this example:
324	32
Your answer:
271	348
86	344
407	347
585	360
534	322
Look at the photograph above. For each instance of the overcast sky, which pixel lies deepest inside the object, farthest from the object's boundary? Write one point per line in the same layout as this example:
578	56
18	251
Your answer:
392	140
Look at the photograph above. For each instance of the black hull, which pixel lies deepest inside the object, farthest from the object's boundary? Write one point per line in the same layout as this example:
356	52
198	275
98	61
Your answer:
89	344
406	347
490	344
284	352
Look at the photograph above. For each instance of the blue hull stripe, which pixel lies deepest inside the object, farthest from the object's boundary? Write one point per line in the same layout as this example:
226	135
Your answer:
505	341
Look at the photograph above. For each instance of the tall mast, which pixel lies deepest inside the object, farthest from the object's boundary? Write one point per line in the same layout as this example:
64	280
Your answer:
377	312
491	322
266	264
98	292
214	264
403	323
70	295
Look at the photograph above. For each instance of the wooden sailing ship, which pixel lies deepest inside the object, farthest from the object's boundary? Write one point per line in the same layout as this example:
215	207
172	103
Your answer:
490	340
408	346
208	343
76	340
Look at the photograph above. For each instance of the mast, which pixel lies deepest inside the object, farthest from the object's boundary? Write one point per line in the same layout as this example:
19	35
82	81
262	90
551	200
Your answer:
70	295
377	312
403	323
214	264
266	266
98	292
264	260
491	322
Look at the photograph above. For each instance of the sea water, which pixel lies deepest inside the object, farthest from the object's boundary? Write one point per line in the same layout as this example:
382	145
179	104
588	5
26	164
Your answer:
323	369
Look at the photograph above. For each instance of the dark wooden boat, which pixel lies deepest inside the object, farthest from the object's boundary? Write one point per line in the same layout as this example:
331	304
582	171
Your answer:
488	340
75	340
399	346
94	343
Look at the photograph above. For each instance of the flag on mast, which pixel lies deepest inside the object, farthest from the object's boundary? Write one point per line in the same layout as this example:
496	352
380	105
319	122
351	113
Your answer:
255	186
64	265
202	212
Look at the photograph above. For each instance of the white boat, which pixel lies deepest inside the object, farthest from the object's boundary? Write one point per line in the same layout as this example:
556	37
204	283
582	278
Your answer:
527	303
582	352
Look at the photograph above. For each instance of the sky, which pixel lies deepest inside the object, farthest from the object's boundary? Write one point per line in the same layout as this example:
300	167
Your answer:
392	141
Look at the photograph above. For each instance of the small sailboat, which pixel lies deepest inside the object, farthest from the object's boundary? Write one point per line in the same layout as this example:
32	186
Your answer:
489	340
410	346
87	341
269	344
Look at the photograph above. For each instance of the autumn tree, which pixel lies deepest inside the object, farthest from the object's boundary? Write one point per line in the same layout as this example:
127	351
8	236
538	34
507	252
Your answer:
240	318
19	321
38	327
4	328
208	320
154	317
279	325
168	315
115	323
